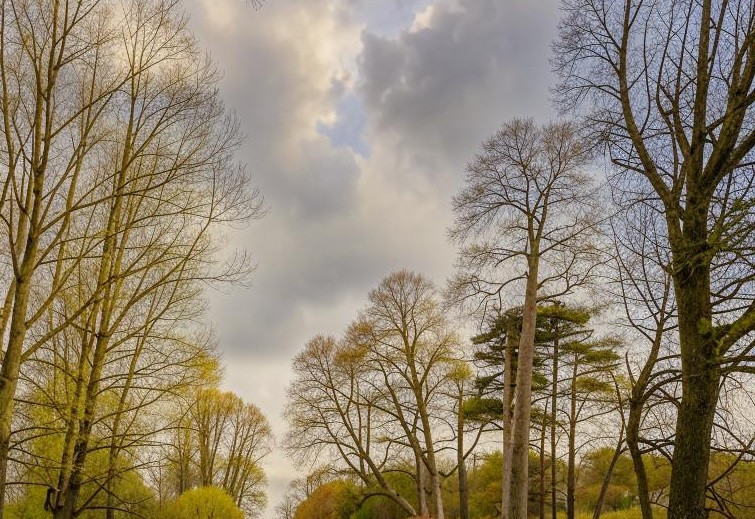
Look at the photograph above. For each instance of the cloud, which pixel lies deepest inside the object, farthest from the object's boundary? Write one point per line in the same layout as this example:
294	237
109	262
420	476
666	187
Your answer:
444	85
360	117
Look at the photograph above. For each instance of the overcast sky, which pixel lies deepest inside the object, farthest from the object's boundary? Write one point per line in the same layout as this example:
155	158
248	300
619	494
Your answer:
360	116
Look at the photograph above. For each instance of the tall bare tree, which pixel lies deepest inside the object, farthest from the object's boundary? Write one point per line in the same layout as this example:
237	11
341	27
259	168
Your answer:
55	83
528	210
669	86
412	344
387	396
332	410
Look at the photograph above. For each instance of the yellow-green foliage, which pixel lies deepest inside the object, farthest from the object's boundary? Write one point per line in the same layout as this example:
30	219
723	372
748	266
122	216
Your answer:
31	506
630	513
736	485
204	503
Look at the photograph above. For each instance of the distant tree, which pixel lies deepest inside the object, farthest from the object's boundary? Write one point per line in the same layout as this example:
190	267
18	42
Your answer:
387	393
221	443
412	345
589	364
204	503
333	500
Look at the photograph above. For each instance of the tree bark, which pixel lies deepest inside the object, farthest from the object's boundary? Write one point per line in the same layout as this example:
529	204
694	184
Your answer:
701	372
461	464
541	485
509	386
607	480
554	397
421	490
571	464
633	428
523	401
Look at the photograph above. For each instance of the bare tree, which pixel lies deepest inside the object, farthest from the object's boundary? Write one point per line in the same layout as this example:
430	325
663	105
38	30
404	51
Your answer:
230	440
411	343
528	197
669	85
643	285
52	124
383	398
331	410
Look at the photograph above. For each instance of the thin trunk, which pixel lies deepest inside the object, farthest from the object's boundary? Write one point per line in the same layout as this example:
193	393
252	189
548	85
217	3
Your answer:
117	441
636	403
11	361
554	396
429	456
607	478
512	339
633	429
461	465
70	494
571	467
40	144
523	400
109	266
541	486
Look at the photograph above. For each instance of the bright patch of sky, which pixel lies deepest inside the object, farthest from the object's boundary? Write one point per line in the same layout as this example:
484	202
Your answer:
388	18
347	130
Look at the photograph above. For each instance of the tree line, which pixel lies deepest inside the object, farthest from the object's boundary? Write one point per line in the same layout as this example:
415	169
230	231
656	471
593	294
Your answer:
608	261
119	180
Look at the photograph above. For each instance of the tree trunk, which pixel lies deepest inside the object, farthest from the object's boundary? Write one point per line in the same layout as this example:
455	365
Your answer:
70	497
633	429
512	339
11	364
461	465
701	372
117	441
689	470
571	469
437	492
429	459
421	488
607	479
541	486
554	397
523	401
463	491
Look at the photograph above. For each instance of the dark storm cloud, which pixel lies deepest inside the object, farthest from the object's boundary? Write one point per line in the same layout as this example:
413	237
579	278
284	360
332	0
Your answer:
443	87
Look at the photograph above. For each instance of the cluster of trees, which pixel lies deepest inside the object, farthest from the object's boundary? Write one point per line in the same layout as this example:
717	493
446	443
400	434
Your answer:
390	391
663	244
118	179
336	497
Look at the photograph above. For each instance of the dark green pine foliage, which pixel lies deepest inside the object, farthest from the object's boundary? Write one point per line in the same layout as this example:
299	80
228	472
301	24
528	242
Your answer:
558	325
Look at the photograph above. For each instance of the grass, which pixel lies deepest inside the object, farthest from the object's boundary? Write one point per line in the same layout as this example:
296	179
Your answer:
631	513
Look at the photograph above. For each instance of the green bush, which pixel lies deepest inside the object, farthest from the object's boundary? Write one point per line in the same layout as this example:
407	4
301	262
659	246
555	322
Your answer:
204	503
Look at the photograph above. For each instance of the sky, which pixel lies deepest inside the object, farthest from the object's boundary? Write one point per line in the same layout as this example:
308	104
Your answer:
359	117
